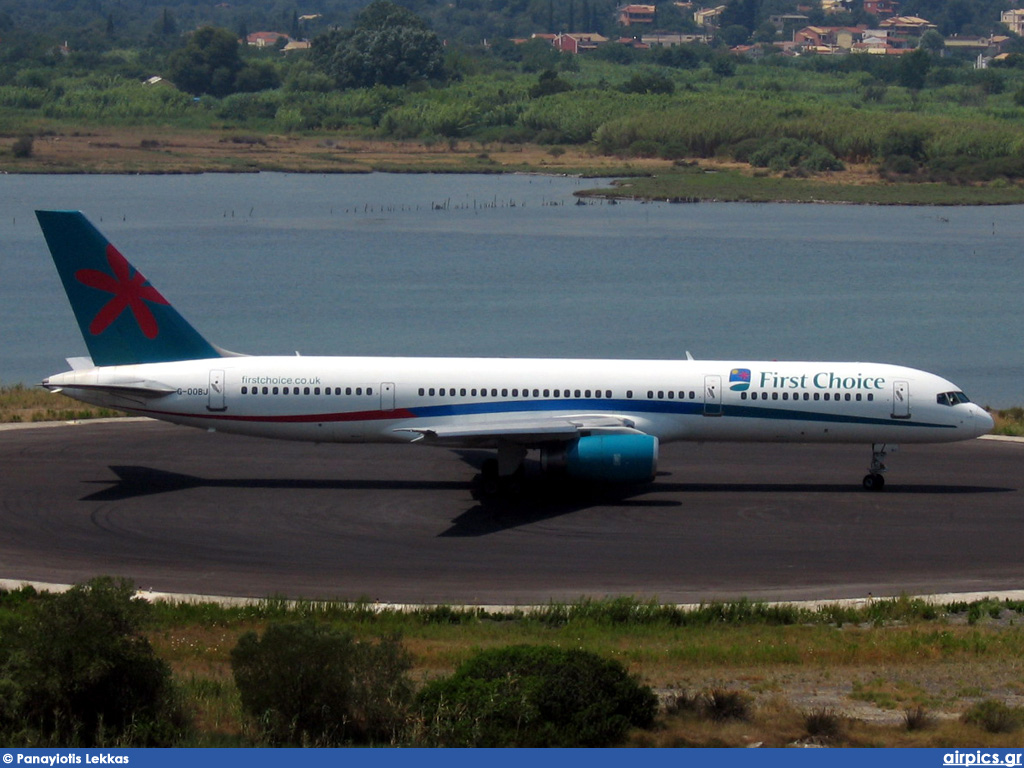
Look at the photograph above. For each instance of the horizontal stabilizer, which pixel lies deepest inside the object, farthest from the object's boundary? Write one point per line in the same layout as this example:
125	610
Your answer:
139	388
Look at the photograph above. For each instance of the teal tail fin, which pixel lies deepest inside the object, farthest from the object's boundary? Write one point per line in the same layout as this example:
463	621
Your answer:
123	318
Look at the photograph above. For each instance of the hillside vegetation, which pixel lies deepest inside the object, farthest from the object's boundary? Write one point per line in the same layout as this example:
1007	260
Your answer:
921	118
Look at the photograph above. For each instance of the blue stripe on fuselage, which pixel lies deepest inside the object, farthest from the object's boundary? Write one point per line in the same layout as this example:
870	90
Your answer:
667	407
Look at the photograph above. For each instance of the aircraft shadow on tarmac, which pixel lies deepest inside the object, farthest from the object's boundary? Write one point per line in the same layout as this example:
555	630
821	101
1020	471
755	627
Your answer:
536	500
134	482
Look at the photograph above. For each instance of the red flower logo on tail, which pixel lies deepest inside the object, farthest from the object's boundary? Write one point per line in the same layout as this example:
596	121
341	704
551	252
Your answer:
129	291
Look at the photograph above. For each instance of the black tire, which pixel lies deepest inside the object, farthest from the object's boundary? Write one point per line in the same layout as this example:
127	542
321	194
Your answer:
873	482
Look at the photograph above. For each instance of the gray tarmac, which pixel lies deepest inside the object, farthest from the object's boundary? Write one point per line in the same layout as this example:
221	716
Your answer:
179	510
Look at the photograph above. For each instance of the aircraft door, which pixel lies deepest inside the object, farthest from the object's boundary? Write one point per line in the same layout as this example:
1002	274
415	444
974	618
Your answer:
216	400
901	400
712	395
387	396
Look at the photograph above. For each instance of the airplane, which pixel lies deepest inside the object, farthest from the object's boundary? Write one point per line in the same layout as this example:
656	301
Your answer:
594	420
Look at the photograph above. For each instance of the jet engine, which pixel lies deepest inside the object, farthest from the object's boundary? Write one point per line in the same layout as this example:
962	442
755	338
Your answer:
605	458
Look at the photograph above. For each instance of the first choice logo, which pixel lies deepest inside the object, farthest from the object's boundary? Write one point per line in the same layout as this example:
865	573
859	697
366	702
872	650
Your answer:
822	380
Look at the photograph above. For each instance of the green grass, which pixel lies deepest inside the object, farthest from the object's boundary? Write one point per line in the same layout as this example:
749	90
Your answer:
1009	421
19	404
690	185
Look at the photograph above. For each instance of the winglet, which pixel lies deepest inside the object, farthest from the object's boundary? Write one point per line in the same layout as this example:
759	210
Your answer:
123	318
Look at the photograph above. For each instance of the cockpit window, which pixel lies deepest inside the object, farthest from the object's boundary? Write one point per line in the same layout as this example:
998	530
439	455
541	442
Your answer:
951	398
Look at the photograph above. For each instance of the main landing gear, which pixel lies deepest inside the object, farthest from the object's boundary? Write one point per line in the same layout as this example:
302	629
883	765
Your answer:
874	479
505	474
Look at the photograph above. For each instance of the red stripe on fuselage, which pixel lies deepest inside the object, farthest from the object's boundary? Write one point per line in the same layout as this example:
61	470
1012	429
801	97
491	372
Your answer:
314	418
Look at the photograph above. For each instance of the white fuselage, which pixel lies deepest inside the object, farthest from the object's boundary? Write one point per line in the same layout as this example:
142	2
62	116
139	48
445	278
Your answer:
395	399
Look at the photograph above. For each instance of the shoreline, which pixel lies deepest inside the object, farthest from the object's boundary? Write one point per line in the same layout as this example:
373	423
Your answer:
148	151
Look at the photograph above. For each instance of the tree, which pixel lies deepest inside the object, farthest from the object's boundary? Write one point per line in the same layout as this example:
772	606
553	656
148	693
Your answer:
388	45
548	83
82	673
933	42
209	63
735	34
648	81
913	69
723	64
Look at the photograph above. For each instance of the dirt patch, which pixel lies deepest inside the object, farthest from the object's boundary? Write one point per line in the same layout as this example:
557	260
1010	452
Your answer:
149	150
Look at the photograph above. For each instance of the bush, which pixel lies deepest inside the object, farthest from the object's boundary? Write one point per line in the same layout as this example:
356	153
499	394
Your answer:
782	154
22	147
535	696
917	719
648	81
721	705
994	716
310	685
823	723
81	673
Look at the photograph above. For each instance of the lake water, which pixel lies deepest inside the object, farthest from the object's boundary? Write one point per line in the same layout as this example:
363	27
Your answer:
509	266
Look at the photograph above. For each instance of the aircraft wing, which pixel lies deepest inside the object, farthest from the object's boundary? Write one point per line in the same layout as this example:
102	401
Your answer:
523	432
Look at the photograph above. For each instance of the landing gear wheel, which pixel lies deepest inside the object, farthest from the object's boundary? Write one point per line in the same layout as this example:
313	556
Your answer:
873	482
489	477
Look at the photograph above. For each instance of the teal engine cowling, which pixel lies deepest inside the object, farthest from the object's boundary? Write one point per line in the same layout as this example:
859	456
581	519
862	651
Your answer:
605	458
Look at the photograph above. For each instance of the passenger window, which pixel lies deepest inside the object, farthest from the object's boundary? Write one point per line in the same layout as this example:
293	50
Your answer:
859	397
671	395
870	397
847	397
817	395
462	392
275	390
775	395
785	395
245	390
587	393
743	395
629	394
264	390
348	391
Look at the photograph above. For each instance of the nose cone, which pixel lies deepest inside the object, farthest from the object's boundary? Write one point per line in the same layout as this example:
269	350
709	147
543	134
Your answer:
983	422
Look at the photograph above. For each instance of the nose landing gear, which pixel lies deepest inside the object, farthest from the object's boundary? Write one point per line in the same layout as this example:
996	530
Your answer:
874	479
